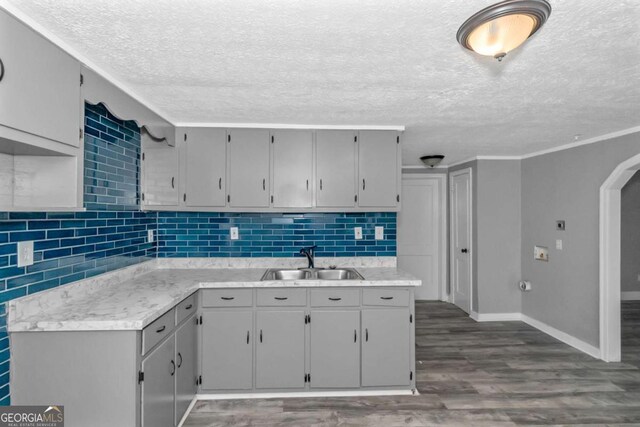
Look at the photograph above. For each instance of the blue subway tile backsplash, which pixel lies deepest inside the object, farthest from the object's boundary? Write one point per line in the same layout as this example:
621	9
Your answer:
111	233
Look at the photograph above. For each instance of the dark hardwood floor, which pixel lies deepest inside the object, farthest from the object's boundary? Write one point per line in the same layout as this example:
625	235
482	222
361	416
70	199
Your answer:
472	374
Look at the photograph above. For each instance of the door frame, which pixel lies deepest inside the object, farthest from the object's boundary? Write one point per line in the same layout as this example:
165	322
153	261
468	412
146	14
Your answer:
610	233
443	239
464	171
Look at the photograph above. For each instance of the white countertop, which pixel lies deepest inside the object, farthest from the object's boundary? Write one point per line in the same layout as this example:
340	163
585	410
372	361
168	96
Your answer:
132	298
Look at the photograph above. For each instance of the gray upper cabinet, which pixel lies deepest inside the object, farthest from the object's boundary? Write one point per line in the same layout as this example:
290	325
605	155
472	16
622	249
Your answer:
378	169
248	166
158	386
186	366
160	172
292	168
335	349
280	349
205	168
40	89
336	168
227	350
386	348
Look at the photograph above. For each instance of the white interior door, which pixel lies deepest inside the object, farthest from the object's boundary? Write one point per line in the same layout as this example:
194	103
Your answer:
461	238
421	233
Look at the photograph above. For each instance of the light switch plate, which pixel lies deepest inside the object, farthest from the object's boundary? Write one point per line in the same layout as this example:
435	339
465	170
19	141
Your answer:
541	253
357	232
25	254
233	233
150	236
379	233
559	244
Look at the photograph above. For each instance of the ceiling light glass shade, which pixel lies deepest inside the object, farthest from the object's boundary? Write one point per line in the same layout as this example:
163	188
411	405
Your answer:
498	29
432	160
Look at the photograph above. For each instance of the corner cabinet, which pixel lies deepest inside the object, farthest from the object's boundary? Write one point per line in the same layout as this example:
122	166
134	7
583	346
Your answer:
262	170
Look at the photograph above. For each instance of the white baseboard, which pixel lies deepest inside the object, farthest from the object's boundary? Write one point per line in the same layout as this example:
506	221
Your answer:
345	393
630	296
495	317
563	336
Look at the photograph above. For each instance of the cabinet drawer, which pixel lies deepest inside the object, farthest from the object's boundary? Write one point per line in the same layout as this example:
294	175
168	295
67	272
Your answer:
332	297
386	297
227	297
156	331
186	308
282	297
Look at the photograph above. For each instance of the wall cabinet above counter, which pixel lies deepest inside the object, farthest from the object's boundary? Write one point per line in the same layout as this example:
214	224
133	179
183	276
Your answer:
262	170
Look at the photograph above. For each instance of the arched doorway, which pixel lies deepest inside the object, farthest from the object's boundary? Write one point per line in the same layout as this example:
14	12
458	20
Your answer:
610	225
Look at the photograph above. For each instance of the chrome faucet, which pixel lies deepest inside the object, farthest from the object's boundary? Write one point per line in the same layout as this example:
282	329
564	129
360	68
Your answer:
309	253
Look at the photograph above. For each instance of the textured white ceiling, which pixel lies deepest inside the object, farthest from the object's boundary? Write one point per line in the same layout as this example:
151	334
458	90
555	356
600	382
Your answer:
374	62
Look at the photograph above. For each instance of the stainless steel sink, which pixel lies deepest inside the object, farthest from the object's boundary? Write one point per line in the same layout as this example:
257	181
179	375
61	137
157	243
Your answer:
312	274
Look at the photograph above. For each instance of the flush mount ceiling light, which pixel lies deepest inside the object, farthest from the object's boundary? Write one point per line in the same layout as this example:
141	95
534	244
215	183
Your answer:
502	27
433	160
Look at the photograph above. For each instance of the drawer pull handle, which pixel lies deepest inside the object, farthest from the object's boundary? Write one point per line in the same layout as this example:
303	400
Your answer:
227	298
220	183
335	299
355	335
260	335
173	368
386	298
189	307
247	337
161	329
180	362
366	334
281	298
264	184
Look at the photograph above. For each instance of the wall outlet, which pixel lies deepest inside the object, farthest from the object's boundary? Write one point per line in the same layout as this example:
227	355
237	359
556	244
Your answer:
25	254
357	232
150	236
559	244
233	233
541	253
379	233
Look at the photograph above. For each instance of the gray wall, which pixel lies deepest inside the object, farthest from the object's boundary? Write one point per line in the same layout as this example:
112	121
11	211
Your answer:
630	239
565	185
498	236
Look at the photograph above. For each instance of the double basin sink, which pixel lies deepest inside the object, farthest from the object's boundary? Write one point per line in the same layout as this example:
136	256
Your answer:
312	274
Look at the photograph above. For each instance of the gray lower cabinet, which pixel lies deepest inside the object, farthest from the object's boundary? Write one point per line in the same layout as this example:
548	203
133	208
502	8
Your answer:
227	349
386	348
335	349
186	366
280	349
158	386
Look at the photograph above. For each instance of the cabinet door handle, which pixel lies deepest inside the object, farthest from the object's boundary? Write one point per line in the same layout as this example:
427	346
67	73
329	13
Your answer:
364	184
247	337
260	335
264	184
281	298
173	182
1	70
220	183
160	329
321	184
189	307
464	251
366	334
227	298
180	362
386	298
355	335
173	368
334	299
307	185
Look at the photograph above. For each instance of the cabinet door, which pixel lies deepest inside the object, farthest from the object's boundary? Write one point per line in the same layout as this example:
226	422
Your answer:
335	349
205	168
292	169
40	90
378	169
158	386
336	169
160	166
227	350
280	349
386	347
248	164
186	389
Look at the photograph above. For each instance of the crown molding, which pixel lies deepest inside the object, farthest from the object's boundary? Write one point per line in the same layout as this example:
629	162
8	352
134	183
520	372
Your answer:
397	128
35	26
